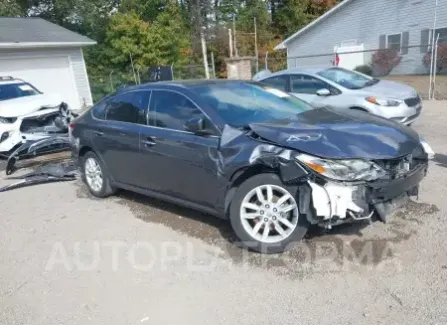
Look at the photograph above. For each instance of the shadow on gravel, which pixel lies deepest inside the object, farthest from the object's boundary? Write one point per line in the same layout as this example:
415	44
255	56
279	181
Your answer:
440	159
321	251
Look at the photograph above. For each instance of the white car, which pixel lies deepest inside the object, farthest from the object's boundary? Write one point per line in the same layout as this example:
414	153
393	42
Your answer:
344	89
25	113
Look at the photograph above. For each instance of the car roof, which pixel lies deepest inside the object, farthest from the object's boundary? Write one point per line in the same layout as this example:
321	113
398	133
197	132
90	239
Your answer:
184	84
10	80
307	70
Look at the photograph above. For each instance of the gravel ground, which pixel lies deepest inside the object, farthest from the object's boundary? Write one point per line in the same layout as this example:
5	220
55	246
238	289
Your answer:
68	258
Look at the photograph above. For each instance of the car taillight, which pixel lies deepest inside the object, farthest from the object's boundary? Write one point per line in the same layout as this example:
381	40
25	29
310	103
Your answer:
71	127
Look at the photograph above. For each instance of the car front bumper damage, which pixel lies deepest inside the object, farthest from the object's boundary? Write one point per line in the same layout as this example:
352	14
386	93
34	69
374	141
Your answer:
336	202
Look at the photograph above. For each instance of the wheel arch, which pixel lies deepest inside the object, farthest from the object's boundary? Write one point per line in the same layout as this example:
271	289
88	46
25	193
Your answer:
84	150
240	176
87	148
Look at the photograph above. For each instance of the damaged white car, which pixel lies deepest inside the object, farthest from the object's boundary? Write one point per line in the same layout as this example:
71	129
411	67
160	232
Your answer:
25	113
31	122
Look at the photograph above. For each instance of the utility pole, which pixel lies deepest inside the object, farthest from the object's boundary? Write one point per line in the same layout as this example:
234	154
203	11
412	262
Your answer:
230	41
435	67
213	65
234	35
256	46
133	68
432	67
205	58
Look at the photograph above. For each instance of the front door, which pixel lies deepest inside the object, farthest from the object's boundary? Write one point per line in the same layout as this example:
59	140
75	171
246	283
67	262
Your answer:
176	162
118	138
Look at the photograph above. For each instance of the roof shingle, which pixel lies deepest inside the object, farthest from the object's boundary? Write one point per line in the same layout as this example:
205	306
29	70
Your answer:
37	30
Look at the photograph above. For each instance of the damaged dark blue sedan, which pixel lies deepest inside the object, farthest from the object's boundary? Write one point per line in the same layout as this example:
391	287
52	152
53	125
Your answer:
265	160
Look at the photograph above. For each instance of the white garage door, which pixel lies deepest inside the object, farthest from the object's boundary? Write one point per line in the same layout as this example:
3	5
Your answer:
49	75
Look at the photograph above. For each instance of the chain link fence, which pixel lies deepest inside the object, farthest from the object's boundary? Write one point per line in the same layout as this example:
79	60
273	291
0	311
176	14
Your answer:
106	81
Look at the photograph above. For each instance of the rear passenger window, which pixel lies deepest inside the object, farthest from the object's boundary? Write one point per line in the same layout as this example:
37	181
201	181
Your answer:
129	107
279	82
99	110
171	110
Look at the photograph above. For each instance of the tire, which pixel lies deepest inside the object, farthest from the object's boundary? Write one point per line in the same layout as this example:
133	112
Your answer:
241	226
105	189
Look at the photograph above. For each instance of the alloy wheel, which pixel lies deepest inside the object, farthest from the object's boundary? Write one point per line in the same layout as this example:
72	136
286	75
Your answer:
93	174
269	214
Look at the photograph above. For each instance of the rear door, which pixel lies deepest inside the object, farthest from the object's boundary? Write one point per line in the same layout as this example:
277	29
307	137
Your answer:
176	162
118	138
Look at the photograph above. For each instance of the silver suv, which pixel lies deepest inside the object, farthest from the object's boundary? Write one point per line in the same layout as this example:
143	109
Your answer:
346	89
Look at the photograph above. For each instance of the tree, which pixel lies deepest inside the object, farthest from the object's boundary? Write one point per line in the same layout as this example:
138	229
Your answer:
291	15
10	8
128	36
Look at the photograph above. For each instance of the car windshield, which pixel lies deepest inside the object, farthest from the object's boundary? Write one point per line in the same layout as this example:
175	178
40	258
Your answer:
347	78
16	90
242	103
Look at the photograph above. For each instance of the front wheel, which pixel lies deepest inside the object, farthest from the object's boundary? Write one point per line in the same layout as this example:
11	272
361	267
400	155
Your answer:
265	216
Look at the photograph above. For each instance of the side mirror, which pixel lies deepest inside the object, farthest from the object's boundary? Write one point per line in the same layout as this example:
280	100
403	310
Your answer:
197	126
323	92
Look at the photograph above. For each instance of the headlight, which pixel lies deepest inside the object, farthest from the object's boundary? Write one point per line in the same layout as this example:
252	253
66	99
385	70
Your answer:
7	120
384	101
343	170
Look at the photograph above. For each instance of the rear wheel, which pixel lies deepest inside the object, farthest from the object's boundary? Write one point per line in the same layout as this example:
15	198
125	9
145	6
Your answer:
264	215
95	176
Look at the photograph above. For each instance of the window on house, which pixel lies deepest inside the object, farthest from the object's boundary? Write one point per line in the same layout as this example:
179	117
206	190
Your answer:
442	32
394	42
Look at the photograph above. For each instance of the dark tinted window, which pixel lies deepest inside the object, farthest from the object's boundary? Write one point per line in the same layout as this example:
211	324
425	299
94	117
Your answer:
99	110
171	110
276	82
304	84
128	107
442	32
11	91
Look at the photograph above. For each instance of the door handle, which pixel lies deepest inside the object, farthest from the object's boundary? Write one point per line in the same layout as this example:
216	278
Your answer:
149	142
98	133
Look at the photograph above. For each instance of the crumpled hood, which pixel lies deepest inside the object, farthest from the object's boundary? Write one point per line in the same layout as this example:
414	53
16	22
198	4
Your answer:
326	133
26	105
391	89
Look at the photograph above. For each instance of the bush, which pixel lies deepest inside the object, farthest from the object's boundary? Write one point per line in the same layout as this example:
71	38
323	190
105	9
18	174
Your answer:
365	69
384	61
441	60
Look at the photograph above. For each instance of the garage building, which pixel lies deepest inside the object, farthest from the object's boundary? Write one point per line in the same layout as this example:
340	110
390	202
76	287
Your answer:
46	55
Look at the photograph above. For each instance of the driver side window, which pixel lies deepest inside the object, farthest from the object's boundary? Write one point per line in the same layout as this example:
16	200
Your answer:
171	110
304	84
